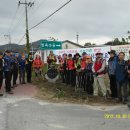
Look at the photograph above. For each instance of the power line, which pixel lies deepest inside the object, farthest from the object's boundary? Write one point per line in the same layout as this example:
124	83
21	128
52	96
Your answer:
21	39
13	19
45	19
50	15
39	5
20	21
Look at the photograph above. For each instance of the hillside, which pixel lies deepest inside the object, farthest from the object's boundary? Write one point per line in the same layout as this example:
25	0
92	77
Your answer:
19	48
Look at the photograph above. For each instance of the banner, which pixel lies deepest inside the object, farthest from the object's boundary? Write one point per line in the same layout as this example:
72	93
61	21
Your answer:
90	51
122	48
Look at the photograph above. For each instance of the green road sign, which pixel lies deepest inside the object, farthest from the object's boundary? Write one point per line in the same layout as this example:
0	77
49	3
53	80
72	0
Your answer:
50	45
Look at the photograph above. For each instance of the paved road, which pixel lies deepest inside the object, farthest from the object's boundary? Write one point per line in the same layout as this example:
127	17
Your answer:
22	112
25	113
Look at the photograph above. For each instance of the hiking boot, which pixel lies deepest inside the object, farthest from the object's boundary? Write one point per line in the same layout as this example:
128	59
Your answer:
124	101
1	94
12	87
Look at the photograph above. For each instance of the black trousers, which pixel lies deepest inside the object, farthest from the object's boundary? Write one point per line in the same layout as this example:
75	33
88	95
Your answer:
113	86
21	76
15	76
82	80
1	78
8	81
129	86
29	73
71	77
63	76
89	86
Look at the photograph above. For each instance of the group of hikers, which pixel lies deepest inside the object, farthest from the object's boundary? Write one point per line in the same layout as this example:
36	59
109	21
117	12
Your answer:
14	66
81	72
78	71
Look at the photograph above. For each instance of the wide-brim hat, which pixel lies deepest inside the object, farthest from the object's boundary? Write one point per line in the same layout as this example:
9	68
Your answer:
112	52
69	55
99	53
8	51
77	54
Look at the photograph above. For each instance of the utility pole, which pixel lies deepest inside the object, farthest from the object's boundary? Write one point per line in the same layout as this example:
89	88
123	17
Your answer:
77	36
30	4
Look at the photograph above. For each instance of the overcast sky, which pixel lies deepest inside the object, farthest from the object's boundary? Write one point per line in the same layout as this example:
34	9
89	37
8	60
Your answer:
96	21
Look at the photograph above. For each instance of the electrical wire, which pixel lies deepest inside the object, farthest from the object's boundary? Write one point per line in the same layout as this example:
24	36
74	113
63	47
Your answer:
45	19
50	15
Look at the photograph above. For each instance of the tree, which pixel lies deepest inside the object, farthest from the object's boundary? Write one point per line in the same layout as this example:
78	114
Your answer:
87	44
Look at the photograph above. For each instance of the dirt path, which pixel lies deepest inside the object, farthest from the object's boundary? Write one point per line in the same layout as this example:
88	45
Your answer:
28	90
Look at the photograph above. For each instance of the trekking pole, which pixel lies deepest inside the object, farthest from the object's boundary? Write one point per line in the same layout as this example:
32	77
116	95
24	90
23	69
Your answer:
86	86
81	82
76	82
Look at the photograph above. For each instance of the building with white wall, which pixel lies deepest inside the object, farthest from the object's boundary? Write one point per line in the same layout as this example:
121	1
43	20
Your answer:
65	45
70	45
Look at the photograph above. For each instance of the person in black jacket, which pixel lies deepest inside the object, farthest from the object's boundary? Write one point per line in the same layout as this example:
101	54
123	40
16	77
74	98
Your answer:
29	62
14	68
89	74
64	73
1	73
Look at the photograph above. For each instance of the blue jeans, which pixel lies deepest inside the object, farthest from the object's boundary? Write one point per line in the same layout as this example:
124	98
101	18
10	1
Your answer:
122	90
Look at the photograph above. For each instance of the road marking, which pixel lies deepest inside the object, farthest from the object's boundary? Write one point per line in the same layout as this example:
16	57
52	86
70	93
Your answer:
1	112
16	105
56	126
43	103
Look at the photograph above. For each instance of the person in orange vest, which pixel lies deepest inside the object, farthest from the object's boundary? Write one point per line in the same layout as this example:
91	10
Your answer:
71	77
37	65
51	59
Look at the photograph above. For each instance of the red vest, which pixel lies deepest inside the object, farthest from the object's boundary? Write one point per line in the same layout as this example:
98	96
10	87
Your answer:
98	66
83	63
37	63
70	64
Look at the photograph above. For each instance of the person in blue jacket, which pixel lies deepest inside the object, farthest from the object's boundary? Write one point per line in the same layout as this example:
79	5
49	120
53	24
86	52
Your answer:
111	72
7	71
122	78
22	69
